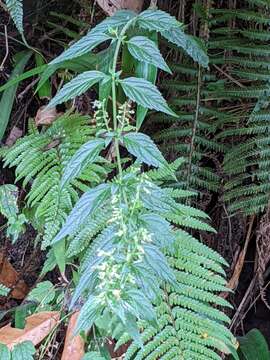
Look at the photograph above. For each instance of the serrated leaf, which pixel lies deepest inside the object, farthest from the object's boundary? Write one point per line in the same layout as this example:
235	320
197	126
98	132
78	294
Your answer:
143	309
160	230
77	86
86	155
23	351
4	352
95	36
90	311
157	20
43	293
192	46
145	93
158	263
144	49
87	204
84	45
144	149
148	72
15	8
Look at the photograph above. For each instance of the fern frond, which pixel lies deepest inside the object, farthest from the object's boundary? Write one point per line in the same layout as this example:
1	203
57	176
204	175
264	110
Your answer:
40	159
189	327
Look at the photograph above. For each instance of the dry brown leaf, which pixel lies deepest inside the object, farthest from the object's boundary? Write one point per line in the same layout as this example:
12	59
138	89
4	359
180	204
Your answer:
10	278
74	345
111	6
46	116
15	134
233	282
37	327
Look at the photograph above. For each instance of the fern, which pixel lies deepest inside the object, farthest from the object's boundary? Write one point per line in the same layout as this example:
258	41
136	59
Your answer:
136	263
40	159
191	134
183	332
246	162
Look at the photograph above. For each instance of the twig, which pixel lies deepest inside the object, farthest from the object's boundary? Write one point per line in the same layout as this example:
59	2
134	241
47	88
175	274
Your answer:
229	76
28	87
7	50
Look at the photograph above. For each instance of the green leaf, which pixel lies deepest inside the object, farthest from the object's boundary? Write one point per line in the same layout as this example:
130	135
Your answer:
77	86
145	150
158	264
84	45
23	351
95	36
4	352
148	72
44	91
144	93
43	293
191	45
59	250
141	305
93	355
90	311
144	49
88	203
15	8
3	291
253	346
157	20
86	155
21	313
25	75
8	96
8	200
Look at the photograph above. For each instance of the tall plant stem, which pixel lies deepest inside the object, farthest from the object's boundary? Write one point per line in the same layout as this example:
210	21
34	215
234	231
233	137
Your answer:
194	128
114	99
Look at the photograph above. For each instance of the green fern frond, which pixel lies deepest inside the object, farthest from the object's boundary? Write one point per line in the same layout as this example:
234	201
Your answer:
40	159
184	331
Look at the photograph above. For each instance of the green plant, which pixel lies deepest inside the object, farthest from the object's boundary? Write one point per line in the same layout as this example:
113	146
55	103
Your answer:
244	50
24	350
8	96
15	8
9	208
192	134
253	346
135	250
40	159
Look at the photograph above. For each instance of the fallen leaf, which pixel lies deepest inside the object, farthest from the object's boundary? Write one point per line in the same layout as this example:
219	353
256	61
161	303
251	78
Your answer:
14	135
111	6
234	280
10	278
46	116
37	327
74	345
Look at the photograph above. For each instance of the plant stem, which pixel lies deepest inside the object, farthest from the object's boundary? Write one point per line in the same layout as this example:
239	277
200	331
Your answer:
114	100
